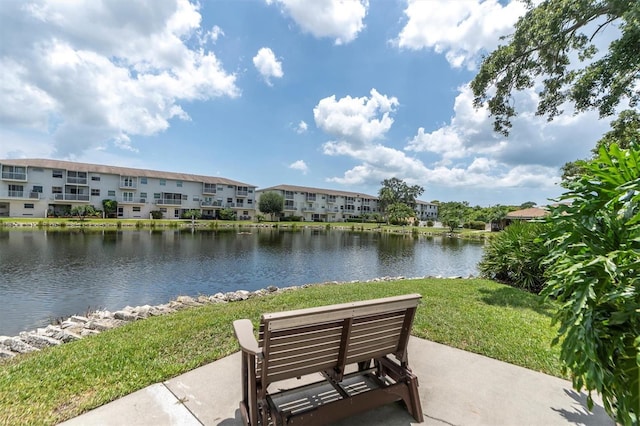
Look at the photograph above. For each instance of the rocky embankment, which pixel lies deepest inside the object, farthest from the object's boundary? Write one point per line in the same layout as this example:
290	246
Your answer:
78	326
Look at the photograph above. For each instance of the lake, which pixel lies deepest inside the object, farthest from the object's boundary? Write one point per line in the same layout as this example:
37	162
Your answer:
45	275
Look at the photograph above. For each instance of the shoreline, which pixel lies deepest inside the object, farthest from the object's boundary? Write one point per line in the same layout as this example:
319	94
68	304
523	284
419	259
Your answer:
78	326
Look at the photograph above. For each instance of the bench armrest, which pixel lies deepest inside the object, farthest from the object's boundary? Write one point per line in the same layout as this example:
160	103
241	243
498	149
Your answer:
244	333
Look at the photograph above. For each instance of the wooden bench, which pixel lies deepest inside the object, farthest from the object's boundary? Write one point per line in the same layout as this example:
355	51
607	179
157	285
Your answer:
359	349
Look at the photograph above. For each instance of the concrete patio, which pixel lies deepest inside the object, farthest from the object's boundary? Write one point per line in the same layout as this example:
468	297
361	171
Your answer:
456	388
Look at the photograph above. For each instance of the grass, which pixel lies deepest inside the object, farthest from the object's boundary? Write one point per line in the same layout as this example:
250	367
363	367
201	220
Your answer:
63	224
62	382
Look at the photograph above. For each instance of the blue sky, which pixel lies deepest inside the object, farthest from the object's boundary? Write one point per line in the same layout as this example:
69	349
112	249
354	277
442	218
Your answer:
325	94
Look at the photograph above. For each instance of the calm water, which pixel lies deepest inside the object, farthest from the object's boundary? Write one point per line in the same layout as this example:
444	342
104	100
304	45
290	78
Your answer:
47	275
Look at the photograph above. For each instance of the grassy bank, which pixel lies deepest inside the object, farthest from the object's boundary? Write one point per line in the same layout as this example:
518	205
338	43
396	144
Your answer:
55	224
58	383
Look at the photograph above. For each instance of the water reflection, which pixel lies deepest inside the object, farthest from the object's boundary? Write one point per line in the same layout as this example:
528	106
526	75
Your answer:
51	274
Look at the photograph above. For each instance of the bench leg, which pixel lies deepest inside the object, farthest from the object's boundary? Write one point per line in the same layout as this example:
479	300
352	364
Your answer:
249	403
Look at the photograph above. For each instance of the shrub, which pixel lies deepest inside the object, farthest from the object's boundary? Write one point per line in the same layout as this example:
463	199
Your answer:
156	214
196	214
430	223
478	225
594	273
515	257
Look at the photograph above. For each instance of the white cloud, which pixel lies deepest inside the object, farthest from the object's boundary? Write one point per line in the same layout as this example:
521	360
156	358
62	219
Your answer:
68	73
267	65
356	120
460	29
299	165
533	141
464	153
337	19
301	127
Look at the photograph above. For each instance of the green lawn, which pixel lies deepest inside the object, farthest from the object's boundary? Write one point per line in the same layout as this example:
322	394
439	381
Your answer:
58	383
72	223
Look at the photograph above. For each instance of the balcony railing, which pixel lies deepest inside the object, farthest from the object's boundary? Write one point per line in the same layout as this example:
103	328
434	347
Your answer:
21	194
132	201
77	180
169	201
241	193
14	176
211	203
128	185
70	197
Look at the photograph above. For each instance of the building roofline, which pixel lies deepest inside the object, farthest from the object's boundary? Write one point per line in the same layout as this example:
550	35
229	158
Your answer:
116	170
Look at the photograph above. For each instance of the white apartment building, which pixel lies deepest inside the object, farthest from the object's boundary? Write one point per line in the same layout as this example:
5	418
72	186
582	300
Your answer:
38	188
327	205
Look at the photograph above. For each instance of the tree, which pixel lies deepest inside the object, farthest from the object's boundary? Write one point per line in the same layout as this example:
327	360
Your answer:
592	272
545	45
110	207
227	214
395	190
527	205
399	213
625	130
453	213
271	203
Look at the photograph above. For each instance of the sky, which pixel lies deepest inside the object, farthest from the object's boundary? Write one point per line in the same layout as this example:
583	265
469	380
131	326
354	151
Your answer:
327	94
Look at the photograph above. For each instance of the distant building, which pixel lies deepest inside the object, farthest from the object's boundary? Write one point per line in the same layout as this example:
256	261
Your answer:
328	205
38	188
526	215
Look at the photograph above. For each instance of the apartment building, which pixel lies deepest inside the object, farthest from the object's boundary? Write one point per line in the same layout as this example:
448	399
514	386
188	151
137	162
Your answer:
426	211
327	205
39	188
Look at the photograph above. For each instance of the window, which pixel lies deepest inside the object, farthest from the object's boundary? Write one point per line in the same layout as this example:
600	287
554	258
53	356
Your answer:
127	196
136	209
229	200
163	209
157	195
37	188
56	190
196	198
143	195
95	192
95	178
16	190
163	182
220	188
37	169
111	193
127	182
185	197
240	202
28	205
179	183
57	174
143	180
249	201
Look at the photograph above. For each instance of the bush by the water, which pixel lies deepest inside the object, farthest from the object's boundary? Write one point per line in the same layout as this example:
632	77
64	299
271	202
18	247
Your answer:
515	256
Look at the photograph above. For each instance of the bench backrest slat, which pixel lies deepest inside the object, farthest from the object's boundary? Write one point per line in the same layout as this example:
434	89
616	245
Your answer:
307	341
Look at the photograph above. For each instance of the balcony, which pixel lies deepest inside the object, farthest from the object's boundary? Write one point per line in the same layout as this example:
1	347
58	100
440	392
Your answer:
14	176
209	189
242	193
70	197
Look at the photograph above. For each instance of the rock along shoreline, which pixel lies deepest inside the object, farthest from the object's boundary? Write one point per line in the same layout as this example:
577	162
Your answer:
77	326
